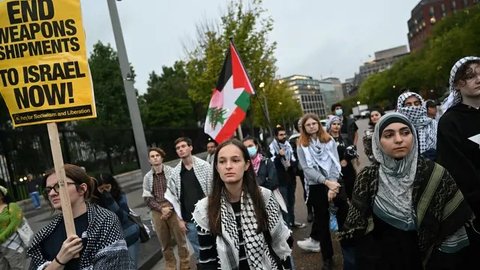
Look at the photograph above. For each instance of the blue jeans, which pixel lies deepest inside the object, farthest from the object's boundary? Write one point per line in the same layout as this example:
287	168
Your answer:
35	199
288	194
192	236
133	252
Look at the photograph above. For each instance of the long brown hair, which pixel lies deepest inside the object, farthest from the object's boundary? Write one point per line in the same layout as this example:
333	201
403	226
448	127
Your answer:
249	186
322	135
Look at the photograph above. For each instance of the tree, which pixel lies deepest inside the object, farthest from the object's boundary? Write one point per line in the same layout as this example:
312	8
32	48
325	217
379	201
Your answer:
166	102
427	71
110	99
249	29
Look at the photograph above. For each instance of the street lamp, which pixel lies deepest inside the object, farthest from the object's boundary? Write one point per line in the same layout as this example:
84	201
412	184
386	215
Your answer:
265	109
358	102
132	103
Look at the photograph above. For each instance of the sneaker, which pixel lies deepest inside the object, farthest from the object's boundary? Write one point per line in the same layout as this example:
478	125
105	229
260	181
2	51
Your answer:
299	225
309	244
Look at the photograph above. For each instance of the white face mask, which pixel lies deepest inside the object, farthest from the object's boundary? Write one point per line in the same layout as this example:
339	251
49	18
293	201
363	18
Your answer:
252	151
339	112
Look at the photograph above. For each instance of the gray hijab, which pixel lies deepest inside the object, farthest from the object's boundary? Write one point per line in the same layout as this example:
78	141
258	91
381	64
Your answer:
395	185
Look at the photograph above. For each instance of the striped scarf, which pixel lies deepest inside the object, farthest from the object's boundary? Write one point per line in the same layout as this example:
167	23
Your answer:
440	208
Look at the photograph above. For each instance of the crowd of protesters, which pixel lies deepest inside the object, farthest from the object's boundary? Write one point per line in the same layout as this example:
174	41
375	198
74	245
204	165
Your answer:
415	206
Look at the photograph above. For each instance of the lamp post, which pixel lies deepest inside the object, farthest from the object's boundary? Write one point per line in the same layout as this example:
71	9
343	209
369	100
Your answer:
133	109
265	104
281	114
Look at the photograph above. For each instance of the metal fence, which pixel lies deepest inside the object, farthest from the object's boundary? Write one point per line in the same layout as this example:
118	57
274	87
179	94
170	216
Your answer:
27	150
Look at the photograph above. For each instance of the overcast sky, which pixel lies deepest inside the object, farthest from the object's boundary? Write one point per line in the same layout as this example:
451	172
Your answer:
314	37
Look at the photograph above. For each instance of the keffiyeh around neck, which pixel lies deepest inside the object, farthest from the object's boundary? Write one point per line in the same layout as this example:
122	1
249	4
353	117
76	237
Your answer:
319	156
426	126
396	177
455	97
256	162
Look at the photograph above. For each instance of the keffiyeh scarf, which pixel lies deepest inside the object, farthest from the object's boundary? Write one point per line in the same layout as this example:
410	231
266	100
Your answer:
256	161
275	147
426	127
455	97
318	155
256	247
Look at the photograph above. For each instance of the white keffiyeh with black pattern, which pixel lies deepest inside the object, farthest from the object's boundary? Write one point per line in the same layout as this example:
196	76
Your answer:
455	97
425	126
257	251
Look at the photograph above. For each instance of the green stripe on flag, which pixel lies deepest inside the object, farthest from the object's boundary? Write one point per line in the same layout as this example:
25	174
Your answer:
243	101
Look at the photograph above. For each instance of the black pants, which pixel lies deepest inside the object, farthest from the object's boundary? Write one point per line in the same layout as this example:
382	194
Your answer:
387	247
321	223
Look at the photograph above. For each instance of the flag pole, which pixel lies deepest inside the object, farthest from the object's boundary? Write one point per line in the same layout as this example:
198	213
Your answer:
239	132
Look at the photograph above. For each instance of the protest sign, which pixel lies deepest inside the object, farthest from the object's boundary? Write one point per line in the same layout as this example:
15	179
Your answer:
44	73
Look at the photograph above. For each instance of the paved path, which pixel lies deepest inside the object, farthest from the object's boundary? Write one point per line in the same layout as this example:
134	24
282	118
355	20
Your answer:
305	260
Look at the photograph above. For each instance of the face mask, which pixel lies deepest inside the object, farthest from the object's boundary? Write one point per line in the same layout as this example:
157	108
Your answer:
339	112
252	151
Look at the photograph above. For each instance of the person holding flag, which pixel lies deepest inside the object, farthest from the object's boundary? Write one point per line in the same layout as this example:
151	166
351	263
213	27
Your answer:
230	98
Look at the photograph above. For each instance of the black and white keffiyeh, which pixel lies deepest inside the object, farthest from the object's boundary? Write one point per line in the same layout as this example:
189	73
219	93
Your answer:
455	97
275	147
257	251
425	126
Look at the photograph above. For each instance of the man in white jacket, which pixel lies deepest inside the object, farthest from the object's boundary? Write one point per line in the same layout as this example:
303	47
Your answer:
191	182
165	219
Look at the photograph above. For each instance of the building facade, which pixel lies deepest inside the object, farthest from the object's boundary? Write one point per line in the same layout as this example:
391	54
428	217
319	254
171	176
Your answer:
307	92
428	12
383	60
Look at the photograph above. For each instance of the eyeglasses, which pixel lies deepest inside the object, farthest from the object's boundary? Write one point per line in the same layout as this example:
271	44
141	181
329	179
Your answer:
56	188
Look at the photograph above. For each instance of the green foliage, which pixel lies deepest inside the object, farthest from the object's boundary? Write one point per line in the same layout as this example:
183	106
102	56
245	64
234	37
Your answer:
282	106
249	28
427	71
166	102
110	100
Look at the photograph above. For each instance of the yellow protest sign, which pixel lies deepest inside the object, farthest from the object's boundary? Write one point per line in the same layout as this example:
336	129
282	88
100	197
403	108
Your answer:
44	73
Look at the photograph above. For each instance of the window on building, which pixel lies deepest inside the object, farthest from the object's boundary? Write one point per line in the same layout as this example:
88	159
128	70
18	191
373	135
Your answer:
465	3
432	11
454	6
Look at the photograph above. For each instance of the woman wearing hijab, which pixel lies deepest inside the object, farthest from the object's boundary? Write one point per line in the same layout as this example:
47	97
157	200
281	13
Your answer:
12	254
406	212
239	224
318	156
367	138
458	142
413	107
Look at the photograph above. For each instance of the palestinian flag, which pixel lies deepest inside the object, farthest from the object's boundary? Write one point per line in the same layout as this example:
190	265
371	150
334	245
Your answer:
230	98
